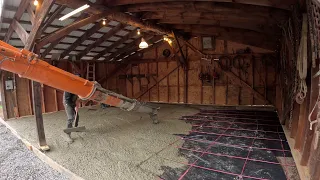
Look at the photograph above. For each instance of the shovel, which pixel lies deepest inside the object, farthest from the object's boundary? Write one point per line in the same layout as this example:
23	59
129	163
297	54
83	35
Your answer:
75	129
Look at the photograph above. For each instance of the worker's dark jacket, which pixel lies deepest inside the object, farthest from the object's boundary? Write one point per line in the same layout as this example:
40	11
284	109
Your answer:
69	99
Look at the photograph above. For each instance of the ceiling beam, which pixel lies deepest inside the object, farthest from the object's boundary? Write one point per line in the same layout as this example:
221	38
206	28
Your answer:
259	28
41	13
21	32
116	44
126	49
51	18
283	4
117	16
68	29
101	40
8	21
218	8
21	9
81	39
154	45
31	14
236	35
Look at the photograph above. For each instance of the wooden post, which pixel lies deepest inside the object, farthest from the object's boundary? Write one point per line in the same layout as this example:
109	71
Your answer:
295	119
303	118
36	95
41	12
3	97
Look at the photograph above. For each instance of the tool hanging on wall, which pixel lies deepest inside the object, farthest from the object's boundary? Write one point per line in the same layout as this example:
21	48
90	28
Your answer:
302	62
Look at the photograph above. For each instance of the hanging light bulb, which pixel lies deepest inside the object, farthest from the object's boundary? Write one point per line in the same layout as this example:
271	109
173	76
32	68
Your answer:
143	44
138	31
165	37
104	22
35	2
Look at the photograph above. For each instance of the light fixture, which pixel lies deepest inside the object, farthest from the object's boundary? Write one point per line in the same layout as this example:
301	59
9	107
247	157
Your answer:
138	31
104	22
74	12
165	38
35	2
143	44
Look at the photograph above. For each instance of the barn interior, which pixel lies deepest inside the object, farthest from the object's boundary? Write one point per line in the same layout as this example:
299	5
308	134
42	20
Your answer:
236	82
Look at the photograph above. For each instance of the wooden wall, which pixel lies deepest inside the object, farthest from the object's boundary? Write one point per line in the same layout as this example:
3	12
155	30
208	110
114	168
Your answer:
166	81
168	84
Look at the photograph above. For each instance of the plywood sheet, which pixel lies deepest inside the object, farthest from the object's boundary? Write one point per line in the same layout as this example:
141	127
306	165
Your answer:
163	94
207	95
173	77
194	95
60	100
220	95
233	95
193	73
50	102
162	71
173	94
23	96
154	94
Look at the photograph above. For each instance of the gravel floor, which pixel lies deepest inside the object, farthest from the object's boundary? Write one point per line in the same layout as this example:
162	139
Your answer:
18	163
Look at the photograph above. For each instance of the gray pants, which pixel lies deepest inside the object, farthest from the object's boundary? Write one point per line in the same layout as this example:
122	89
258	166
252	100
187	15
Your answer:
71	113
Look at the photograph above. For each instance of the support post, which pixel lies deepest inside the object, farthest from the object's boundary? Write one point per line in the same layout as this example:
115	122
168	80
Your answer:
41	12
36	95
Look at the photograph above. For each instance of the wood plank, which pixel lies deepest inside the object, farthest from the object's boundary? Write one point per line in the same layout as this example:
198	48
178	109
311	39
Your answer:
21	9
21	32
84	37
295	119
159	79
121	17
106	36
245	86
68	29
31	14
266	3
38	112
51	18
303	122
3	97
313	103
40	16
116	44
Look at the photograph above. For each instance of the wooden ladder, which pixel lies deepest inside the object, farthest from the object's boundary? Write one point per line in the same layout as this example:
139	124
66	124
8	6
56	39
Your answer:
91	71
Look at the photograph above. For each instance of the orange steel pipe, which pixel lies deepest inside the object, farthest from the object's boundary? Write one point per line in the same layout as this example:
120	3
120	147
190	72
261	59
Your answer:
27	65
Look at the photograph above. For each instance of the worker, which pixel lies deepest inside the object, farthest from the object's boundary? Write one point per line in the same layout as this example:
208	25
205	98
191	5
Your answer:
70	105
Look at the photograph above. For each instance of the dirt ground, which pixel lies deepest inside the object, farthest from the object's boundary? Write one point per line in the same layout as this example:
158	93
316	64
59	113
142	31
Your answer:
19	163
116	145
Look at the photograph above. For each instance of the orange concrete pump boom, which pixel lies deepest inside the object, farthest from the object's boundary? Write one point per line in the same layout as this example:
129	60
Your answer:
27	65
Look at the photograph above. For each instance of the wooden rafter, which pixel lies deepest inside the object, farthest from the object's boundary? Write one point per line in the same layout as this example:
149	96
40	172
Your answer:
127	49
116	44
117	16
134	49
100	40
51	18
40	16
154	45
22	8
50	47
21	32
236	35
31	14
81	39
205	7
68	29
284	4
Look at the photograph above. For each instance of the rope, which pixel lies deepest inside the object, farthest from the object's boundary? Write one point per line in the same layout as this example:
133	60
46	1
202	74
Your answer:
302	62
